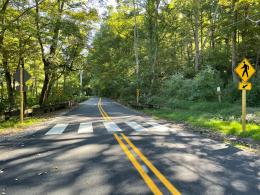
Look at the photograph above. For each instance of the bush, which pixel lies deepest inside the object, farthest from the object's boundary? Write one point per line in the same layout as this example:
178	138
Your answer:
206	83
173	85
231	93
202	87
253	97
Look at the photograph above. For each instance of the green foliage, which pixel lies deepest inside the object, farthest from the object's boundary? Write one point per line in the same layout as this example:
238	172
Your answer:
55	33
202	87
165	47
231	92
253	97
14	125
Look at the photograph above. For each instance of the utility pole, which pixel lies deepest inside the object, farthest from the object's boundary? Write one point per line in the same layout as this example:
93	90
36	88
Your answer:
136	55
81	81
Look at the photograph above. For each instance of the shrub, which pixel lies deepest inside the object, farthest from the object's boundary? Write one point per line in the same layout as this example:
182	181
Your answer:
231	92
253	97
202	87
206	83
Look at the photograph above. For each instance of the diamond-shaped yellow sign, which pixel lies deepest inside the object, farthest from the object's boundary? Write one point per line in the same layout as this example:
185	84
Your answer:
245	86
245	70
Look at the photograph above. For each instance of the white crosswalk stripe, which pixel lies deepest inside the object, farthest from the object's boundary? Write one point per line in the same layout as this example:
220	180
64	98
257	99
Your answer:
57	129
111	127
85	128
158	127
135	126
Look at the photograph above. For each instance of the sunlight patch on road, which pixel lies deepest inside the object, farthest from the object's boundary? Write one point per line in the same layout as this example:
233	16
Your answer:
215	190
239	185
78	152
219	146
184	174
175	145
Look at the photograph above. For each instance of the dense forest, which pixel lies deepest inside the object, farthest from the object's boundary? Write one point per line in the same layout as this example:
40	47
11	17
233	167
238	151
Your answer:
49	39
176	50
169	49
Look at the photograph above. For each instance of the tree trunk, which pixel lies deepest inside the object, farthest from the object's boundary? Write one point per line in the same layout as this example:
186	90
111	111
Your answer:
8	79
136	50
45	88
46	61
234	42
2	91
64	82
257	62
196	40
152	10
35	80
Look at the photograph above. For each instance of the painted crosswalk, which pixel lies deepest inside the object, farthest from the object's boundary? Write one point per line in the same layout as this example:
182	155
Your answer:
135	126
110	126
57	129
158	127
85	128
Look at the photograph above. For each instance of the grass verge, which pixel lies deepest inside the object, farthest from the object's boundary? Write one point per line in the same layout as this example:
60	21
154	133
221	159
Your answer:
216	120
13	125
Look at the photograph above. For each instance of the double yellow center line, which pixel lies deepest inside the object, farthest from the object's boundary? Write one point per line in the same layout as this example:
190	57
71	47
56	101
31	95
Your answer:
154	188
101	110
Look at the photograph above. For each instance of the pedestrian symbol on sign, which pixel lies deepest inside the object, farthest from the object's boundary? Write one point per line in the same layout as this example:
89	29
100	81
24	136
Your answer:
246	68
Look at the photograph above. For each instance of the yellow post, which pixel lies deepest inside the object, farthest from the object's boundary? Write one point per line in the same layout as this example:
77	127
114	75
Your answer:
244	110
21	95
137	96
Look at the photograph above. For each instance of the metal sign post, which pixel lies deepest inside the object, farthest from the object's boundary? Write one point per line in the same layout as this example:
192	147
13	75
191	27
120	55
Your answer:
219	94
21	95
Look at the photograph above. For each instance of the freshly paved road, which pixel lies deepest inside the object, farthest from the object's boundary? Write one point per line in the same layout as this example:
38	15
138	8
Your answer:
81	155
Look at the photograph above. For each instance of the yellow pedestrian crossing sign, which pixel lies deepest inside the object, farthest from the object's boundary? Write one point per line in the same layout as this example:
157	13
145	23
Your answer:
245	86
245	70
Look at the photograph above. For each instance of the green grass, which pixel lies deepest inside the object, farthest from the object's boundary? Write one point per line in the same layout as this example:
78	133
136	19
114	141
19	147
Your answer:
222	118
14	125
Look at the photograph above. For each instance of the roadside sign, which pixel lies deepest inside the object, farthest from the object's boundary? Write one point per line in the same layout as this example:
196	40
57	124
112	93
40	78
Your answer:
26	76
25	88
245	70
245	86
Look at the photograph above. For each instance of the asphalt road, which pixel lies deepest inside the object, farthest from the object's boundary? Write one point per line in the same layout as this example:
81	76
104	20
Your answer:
106	148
